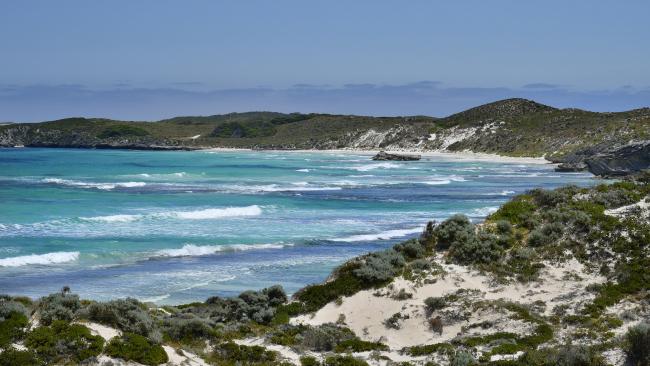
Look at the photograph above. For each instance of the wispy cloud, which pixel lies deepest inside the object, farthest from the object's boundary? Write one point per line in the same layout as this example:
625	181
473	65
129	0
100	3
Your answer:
45	102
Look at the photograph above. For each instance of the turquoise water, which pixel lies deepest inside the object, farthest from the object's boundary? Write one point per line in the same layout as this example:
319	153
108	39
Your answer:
175	227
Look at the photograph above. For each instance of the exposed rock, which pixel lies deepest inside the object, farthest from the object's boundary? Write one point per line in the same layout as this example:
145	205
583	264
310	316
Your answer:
382	155
625	160
571	167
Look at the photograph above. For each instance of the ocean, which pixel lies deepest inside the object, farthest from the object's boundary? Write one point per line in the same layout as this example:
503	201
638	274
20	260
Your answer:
176	227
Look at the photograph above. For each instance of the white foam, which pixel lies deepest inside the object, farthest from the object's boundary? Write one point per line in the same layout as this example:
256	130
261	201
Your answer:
303	170
39	259
191	250
484	211
296	187
368	167
217	213
113	218
102	186
438	182
390	234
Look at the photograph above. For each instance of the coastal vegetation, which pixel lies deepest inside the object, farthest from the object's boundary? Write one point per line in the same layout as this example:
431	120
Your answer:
602	319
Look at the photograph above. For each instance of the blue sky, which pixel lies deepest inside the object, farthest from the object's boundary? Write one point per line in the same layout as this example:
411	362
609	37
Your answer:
150	59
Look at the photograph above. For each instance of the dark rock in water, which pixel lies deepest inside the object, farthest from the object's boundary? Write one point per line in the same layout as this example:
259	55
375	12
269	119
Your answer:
625	160
382	155
571	167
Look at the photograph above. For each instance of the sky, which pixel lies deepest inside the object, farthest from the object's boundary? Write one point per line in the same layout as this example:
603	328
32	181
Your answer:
152	59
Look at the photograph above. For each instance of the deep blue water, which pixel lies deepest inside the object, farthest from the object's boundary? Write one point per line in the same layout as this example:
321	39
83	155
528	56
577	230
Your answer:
175	227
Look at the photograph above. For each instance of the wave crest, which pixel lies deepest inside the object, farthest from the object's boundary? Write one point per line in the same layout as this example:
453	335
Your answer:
385	235
39	259
191	250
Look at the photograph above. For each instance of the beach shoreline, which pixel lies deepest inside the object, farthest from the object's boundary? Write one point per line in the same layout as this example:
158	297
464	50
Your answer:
452	155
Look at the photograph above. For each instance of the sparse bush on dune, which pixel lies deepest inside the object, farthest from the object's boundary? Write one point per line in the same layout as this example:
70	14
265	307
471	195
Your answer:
259	306
454	231
59	306
348	360
187	328
128	315
569	355
637	345
62	342
227	354
380	266
14	357
12	328
462	358
134	347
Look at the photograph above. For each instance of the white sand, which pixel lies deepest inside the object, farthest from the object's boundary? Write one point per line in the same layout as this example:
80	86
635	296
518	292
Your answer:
432	155
102	330
365	313
186	359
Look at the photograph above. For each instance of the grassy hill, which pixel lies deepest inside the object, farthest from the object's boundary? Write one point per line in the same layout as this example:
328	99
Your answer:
515	127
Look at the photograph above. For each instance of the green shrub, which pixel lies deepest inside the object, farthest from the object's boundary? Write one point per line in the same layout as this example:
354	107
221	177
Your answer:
517	211
462	358
227	354
338	360
324	337
62	342
380	266
60	306
14	357
128	315
432	304
427	349
122	131
357	345
259	306
12	328
134	347
187	328
637	344
454	231
482	249
344	283
309	361
411	249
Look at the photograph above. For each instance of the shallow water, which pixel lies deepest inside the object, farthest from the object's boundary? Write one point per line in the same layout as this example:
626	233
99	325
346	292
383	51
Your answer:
175	227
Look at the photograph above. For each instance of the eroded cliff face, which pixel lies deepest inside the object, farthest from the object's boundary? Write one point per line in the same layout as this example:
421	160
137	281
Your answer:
13	136
625	160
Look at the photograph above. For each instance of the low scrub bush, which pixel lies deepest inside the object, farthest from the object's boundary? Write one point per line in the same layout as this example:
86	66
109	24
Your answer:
62	342
357	345
259	306
637	344
325	337
456	230
187	328
128	315
60	306
134	347
227	354
14	357
12	327
122	131
339	360
380	266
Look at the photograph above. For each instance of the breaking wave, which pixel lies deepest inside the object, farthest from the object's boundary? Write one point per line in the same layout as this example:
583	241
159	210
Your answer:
39	259
102	186
390	234
191	250
205	214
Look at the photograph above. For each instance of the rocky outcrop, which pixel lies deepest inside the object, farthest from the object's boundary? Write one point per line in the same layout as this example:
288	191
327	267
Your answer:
571	167
629	159
382	155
